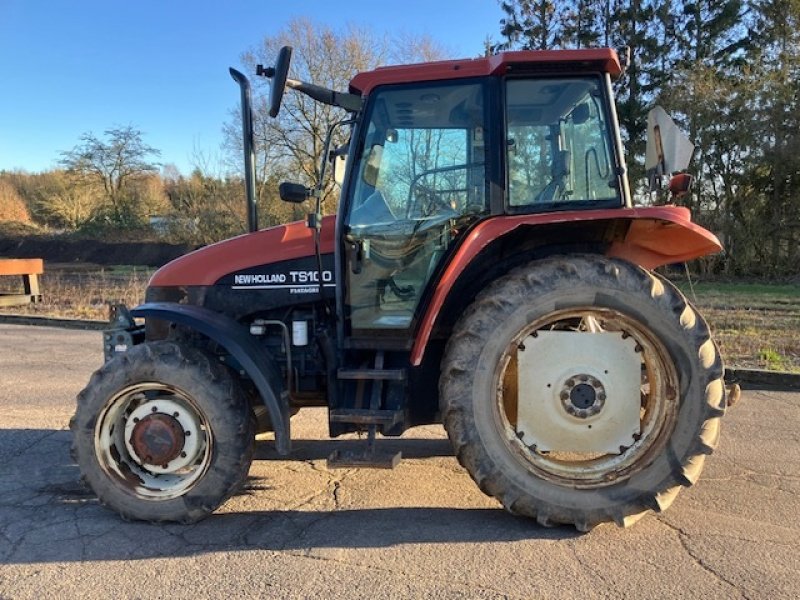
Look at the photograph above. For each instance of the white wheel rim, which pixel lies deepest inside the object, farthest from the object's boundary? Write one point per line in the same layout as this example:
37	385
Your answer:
658	387
116	450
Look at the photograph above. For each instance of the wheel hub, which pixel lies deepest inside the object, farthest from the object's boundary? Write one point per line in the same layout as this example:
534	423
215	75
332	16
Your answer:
583	396
163	435
158	439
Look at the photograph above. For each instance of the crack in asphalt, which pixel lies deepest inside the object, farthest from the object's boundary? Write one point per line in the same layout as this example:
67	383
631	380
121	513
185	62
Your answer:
66	537
773	487
747	474
20	451
572	545
683	538
331	489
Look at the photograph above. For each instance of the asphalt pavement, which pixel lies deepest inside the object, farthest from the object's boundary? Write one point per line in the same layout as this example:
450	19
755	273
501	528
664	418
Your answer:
422	530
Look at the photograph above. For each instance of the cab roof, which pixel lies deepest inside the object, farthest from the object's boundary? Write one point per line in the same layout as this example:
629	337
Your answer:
600	59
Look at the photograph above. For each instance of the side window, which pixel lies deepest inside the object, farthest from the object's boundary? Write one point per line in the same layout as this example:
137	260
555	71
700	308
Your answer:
558	144
424	155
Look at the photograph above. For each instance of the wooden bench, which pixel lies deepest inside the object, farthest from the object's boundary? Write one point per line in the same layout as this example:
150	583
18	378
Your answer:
27	268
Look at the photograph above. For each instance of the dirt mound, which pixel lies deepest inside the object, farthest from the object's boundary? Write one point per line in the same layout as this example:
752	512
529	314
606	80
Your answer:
63	250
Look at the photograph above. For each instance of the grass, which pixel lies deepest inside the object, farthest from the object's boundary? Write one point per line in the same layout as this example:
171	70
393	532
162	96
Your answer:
757	325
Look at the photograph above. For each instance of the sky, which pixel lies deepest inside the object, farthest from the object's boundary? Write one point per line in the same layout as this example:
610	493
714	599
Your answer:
72	67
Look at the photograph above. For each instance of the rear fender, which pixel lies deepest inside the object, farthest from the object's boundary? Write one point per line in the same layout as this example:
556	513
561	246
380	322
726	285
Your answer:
237	341
647	236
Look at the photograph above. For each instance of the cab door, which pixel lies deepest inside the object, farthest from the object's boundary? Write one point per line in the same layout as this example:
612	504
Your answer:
419	181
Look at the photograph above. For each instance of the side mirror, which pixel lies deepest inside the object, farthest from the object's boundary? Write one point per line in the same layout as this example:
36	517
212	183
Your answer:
278	75
294	192
372	165
339	166
679	185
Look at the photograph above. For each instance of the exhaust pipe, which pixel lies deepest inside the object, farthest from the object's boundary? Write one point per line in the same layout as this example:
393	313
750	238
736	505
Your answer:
249	149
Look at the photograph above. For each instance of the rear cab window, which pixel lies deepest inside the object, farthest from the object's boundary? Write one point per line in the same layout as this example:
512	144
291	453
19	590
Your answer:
558	145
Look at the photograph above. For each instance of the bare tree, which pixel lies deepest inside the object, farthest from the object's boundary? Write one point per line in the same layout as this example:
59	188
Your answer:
291	146
56	198
114	162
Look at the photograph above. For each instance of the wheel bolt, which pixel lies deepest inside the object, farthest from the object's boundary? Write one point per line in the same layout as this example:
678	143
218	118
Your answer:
183	454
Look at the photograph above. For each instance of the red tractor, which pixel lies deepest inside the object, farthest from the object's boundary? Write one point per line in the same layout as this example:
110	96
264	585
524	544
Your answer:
486	270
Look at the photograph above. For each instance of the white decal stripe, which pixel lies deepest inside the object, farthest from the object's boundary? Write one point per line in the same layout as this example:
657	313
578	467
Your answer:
275	287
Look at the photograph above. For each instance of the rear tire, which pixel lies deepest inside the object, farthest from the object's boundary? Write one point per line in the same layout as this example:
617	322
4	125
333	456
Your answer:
679	381
163	433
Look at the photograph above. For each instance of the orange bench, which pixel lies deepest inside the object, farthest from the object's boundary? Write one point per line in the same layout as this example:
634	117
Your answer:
27	268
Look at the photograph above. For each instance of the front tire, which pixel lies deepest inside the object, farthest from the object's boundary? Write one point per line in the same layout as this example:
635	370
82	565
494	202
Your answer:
526	438
163	433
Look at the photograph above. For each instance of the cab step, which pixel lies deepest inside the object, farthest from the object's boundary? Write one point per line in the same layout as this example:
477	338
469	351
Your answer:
366	457
366	416
372	374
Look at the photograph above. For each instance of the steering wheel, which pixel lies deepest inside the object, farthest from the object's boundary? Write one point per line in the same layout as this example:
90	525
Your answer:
430	203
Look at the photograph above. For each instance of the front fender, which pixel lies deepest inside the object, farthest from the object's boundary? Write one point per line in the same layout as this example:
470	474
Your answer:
237	340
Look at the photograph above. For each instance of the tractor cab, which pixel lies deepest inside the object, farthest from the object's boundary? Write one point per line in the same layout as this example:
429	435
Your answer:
431	158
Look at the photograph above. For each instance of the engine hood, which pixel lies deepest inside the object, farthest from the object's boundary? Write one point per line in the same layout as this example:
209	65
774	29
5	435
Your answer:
209	264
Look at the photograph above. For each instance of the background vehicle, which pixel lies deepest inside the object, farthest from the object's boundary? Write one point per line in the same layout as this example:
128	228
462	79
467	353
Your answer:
485	269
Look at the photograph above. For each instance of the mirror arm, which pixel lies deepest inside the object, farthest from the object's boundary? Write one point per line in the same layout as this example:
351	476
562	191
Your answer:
349	102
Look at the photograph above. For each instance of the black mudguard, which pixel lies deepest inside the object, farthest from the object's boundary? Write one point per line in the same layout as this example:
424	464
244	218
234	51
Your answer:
237	340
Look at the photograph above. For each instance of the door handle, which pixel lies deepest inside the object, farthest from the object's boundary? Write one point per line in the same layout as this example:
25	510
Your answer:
355	252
